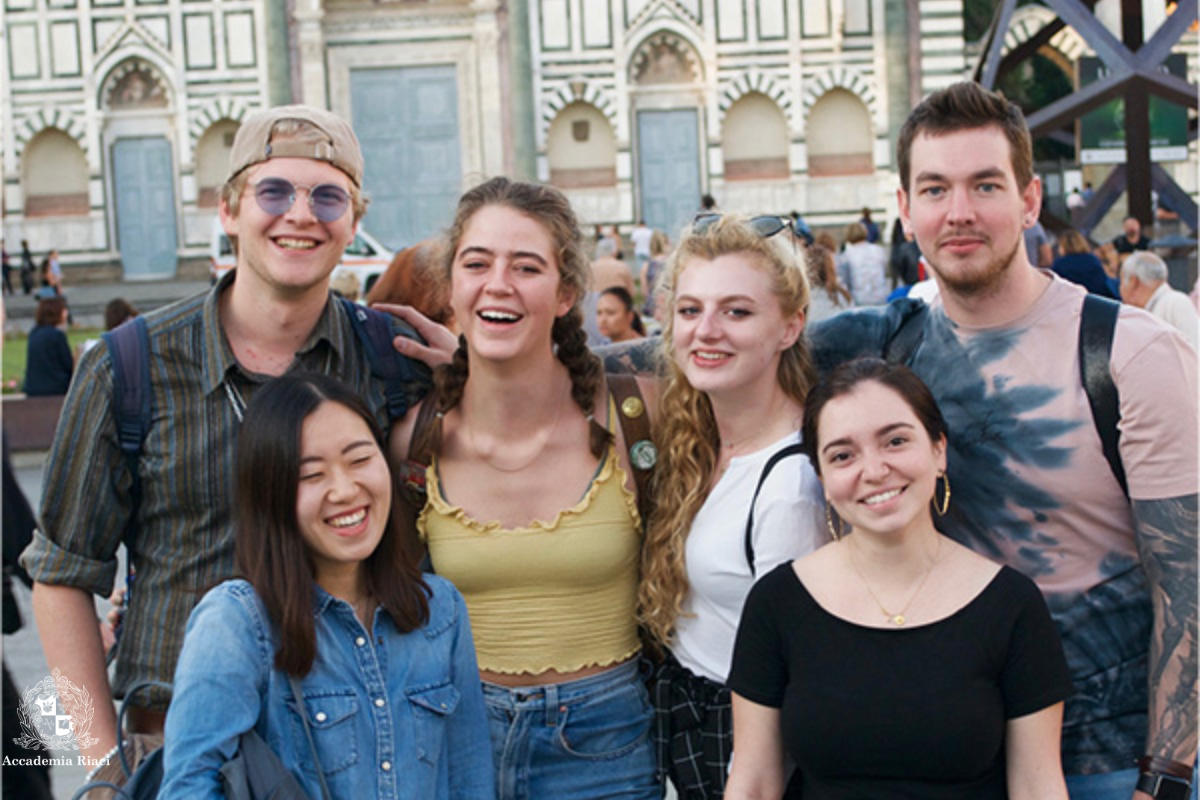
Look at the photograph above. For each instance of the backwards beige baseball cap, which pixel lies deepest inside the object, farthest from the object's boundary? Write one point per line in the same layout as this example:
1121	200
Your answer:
253	144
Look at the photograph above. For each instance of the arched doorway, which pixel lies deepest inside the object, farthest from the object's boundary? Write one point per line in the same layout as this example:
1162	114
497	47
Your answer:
137	105
665	74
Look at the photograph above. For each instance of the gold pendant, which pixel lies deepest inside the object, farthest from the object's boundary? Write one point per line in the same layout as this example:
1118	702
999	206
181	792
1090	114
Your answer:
898	619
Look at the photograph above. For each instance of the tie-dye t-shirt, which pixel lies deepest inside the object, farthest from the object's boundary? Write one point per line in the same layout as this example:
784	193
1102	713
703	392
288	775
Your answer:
1031	487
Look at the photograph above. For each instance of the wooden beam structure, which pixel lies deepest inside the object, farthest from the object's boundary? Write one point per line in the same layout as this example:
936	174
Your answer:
1133	73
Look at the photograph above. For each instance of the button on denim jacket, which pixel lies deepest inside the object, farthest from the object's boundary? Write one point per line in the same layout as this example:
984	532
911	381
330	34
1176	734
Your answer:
397	715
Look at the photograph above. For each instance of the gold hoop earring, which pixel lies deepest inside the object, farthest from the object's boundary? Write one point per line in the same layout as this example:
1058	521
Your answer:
944	506
836	531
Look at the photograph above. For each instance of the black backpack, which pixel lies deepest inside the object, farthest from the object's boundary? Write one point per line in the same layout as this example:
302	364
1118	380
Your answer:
129	349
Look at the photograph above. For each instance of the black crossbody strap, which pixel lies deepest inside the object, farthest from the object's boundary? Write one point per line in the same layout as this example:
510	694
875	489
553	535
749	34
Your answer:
132	409
312	746
748	543
1097	324
903	345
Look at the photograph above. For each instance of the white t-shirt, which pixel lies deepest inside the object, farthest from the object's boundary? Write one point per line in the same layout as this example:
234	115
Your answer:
789	521
1176	309
641	237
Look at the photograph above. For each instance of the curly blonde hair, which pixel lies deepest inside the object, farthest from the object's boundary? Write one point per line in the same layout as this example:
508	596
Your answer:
686	437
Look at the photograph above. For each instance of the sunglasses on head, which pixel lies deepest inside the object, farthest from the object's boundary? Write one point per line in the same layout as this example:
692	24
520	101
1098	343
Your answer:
275	196
765	226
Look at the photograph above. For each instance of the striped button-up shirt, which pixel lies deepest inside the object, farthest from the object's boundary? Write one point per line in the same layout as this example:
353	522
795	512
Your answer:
183	542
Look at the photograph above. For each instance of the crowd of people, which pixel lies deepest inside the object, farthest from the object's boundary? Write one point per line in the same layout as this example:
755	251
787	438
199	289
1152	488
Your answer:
805	542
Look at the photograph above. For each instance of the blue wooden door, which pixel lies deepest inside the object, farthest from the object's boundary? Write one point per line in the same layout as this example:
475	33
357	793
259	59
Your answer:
668	168
144	185
407	122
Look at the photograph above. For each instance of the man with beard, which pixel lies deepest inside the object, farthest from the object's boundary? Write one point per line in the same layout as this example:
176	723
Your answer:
1032	487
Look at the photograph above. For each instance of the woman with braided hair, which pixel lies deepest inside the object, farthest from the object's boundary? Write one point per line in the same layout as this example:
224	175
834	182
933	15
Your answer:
532	510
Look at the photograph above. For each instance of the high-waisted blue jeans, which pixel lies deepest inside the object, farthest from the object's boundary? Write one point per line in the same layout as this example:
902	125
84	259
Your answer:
581	740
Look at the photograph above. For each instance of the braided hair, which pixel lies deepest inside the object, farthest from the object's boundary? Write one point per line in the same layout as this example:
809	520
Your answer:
552	209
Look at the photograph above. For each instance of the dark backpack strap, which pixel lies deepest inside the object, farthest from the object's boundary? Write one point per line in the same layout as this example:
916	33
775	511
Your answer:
776	457
132	409
129	349
634	418
1097	324
412	469
374	330
903	345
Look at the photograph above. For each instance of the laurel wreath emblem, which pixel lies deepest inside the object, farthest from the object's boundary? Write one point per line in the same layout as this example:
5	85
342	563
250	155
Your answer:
77	703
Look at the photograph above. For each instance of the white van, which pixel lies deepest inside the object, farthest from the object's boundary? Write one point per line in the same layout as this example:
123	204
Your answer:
365	258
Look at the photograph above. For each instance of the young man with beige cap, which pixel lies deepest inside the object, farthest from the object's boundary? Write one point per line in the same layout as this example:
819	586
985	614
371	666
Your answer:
291	204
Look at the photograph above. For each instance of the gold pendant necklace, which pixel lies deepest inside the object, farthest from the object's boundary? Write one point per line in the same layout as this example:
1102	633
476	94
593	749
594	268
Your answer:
900	618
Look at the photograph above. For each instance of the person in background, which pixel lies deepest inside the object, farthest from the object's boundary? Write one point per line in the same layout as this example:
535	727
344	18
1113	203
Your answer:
904	265
870	225
1079	265
866	267
23	775
116	311
1037	246
28	271
660	245
381	655
827	296
738	372
1130	240
1075	201
801	230
7	268
414	279
616	317
1110	261
49	364
641	237
52	273
607	271
347	285
1144	284
894	661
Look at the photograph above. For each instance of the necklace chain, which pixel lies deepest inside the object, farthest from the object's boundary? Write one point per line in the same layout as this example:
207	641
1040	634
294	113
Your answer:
541	448
899	619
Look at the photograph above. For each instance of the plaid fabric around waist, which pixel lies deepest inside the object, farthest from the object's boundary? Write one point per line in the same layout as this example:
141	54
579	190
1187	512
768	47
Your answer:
693	730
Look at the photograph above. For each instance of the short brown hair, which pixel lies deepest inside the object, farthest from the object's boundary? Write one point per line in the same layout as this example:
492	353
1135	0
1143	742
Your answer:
49	311
1072	241
961	106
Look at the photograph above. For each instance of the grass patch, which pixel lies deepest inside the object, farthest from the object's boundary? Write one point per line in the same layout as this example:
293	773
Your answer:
16	347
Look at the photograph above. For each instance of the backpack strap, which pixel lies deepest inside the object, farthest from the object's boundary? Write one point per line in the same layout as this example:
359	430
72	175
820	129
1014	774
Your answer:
903	345
132	409
374	330
1097	324
748	543
129	349
634	418
411	471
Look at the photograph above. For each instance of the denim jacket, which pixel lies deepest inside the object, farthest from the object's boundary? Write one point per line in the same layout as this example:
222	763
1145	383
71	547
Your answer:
399	715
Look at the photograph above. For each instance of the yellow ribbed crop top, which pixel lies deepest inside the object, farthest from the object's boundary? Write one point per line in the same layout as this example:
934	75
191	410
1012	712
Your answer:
560	595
